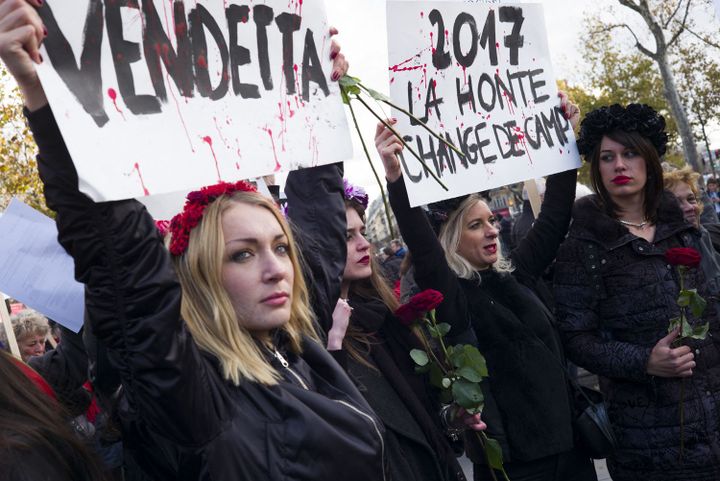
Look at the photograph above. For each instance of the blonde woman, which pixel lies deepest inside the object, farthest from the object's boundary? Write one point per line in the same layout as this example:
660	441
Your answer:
682	183
222	371
31	329
505	314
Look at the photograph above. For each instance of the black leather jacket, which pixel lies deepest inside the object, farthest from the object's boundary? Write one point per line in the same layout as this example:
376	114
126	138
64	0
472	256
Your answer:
183	419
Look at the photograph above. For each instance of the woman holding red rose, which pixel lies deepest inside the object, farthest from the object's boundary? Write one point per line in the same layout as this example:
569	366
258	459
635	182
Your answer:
616	293
500	309
374	346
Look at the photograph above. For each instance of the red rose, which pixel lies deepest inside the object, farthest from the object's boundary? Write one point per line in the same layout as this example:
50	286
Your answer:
426	301
683	256
408	314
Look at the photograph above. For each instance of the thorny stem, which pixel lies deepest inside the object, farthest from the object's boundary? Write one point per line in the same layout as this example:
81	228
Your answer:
483	441
377	177
397	134
421	123
430	351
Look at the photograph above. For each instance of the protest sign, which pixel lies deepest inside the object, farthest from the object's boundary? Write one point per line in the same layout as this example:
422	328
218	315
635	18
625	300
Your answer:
479	74
35	269
154	96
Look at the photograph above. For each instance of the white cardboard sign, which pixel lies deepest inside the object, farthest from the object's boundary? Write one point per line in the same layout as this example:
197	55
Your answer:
156	96
479	74
35	269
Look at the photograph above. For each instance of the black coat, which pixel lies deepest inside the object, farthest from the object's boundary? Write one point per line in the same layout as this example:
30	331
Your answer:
508	322
615	295
183	418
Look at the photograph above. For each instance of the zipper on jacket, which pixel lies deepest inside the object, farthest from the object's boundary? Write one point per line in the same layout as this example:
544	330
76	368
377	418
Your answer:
286	365
377	431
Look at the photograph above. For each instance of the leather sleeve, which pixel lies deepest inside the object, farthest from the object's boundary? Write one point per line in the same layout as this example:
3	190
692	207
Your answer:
316	210
537	250
132	297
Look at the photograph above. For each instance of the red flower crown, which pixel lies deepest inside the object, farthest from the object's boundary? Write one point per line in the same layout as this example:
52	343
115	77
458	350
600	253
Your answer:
195	205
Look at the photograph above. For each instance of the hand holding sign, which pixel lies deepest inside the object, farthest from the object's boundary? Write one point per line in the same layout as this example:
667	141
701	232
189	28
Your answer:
21	33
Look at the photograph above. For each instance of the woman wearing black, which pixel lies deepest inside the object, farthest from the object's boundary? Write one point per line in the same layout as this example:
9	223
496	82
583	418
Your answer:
374	348
527	403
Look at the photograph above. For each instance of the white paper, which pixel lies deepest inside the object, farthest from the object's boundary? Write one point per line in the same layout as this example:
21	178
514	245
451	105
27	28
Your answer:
510	129
35	269
125	149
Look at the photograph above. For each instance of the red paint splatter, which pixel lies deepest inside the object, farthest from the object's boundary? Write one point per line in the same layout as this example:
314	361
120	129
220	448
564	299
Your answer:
422	14
113	96
399	67
208	140
217	127
202	61
136	168
432	44
447	37
392	80
272	141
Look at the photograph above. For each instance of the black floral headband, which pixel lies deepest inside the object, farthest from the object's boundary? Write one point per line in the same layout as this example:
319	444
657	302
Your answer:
639	118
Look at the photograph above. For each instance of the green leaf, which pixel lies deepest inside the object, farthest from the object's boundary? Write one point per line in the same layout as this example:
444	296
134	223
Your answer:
443	328
349	81
697	304
683	299
467	355
700	332
494	454
377	95
467	372
467	394
674	324
446	382
686	329
420	357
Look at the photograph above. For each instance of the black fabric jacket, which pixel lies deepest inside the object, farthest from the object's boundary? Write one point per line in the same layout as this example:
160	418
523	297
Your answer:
615	296
509	323
185	421
417	447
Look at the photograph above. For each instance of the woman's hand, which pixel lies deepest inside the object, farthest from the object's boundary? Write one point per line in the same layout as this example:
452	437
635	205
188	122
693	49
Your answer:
666	361
389	146
571	111
341	320
21	33
340	64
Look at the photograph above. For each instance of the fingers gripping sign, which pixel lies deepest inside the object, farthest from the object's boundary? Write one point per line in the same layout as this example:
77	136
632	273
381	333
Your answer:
389	147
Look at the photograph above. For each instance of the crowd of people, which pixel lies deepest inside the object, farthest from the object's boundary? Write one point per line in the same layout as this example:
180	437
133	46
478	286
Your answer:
241	343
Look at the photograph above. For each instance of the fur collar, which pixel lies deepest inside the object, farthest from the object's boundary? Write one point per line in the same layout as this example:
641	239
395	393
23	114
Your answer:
592	223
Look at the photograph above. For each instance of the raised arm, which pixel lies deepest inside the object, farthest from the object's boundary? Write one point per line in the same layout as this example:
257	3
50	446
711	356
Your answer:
132	295
317	211
537	250
431	269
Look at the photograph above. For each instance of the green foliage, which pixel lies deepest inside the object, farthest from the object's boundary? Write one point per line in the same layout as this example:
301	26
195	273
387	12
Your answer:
18	168
420	357
493	453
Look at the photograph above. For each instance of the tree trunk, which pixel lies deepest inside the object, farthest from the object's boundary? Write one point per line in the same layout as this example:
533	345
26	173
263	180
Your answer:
678	111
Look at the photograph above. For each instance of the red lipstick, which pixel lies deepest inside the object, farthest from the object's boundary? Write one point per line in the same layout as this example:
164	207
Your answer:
621	180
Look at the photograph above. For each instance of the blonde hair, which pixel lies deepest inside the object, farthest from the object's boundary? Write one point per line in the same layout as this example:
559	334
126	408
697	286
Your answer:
207	308
449	238
29	323
687	176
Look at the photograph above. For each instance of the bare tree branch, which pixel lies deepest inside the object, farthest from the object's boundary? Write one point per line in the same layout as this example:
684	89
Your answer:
683	25
702	38
631	5
639	45
666	23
